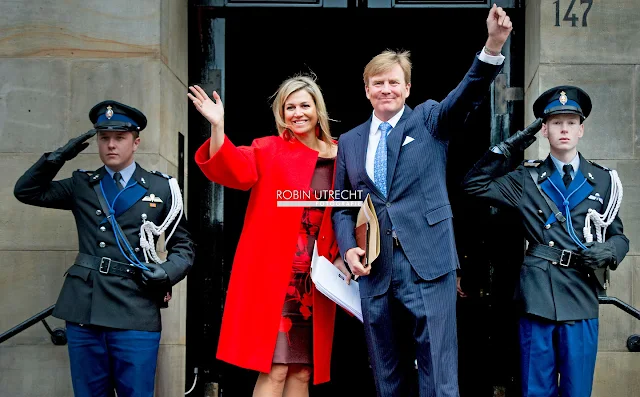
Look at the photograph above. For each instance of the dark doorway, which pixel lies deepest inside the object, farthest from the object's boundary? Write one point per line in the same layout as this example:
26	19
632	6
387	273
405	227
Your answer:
263	47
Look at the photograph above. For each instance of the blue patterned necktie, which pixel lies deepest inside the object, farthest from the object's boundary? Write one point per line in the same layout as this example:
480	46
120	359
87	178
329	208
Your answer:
380	160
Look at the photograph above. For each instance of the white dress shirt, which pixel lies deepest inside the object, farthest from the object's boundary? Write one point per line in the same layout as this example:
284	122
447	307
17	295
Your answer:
374	139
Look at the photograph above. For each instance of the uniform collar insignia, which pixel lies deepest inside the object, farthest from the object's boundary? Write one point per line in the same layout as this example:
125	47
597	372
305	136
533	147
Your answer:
588	169
542	176
546	169
140	176
97	175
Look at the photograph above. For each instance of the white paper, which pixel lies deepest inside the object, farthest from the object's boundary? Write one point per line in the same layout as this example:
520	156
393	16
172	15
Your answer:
331	282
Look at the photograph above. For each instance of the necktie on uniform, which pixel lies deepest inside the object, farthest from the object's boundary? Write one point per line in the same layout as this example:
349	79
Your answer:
380	159
566	178
117	177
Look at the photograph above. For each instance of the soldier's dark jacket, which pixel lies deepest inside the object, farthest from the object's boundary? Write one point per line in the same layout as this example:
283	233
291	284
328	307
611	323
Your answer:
553	292
88	296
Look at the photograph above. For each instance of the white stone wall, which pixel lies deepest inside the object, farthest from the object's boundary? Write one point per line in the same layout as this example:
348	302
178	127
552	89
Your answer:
603	58
57	59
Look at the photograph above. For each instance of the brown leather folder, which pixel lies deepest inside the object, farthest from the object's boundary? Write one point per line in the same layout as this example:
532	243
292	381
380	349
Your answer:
367	231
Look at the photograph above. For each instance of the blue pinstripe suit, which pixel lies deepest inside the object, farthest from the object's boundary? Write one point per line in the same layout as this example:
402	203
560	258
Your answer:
416	316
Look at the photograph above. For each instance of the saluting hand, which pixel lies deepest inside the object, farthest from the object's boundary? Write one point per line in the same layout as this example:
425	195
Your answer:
72	148
499	27
212	111
521	139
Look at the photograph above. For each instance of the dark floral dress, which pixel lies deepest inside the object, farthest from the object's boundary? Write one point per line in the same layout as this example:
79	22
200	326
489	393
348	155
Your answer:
294	344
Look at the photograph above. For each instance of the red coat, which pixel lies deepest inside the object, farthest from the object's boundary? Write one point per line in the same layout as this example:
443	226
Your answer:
264	256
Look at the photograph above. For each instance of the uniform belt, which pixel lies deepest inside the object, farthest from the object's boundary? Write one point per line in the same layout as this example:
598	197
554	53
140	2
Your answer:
106	265
557	256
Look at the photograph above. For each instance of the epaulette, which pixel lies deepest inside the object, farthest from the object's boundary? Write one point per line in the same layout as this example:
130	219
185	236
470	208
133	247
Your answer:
162	174
599	166
85	171
532	163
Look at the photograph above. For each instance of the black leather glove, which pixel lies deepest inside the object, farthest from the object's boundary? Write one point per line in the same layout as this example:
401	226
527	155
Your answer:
156	277
599	255
72	148
521	139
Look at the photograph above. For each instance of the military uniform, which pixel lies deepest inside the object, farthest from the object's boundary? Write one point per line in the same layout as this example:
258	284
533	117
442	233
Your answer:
554	292
561	276
111	296
105	298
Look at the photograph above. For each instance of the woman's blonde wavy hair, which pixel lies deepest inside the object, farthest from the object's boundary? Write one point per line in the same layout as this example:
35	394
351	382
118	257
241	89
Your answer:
288	87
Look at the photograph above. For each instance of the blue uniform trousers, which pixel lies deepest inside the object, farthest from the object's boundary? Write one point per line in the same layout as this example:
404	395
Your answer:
415	318
107	359
549	350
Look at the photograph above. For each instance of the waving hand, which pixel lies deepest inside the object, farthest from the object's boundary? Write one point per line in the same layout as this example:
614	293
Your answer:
212	111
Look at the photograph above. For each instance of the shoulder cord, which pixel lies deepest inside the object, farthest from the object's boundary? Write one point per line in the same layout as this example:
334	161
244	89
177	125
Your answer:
602	221
149	229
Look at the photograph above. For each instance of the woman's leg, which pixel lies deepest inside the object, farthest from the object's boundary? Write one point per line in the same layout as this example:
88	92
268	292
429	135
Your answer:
271	384
297	384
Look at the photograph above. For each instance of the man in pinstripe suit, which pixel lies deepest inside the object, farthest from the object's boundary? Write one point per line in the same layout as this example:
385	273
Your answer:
399	156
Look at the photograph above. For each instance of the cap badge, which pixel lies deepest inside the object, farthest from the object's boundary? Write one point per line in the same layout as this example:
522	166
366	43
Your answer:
563	98
109	113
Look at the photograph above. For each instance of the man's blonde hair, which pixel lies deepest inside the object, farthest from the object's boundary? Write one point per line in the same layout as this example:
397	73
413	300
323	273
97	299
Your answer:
386	60
288	87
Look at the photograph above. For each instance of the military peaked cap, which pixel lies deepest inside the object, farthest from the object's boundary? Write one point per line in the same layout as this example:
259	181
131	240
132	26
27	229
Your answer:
115	116
561	100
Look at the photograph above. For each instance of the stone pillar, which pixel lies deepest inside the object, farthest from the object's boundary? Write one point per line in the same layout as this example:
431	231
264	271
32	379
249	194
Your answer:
600	54
57	59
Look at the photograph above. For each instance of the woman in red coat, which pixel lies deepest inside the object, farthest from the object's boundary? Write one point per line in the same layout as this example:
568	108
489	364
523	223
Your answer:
274	321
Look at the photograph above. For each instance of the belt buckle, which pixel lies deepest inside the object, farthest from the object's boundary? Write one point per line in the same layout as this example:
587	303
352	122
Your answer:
104	269
562	262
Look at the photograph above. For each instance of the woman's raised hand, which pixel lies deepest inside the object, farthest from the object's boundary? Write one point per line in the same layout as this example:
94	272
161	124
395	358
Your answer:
212	110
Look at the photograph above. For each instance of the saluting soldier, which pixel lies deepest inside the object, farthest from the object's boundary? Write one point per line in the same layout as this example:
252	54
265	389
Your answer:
112	294
569	208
